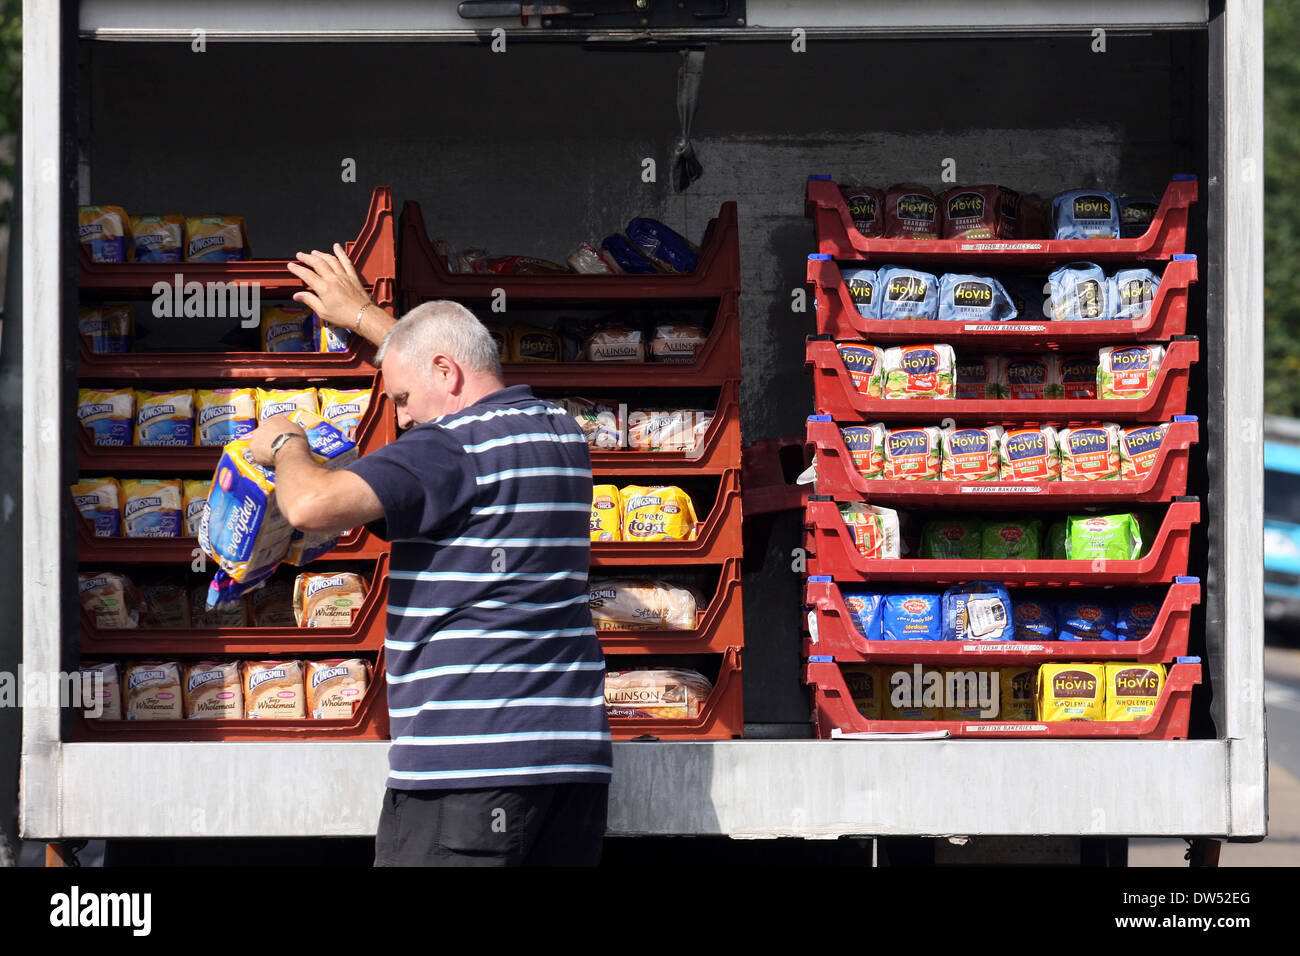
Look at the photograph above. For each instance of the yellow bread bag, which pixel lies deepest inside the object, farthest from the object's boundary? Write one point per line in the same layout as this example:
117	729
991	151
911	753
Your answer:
99	500
863	682
530	344
107	413
152	507
287	328
274	690
196	503
327	600
657	513
1018	685
1133	690
105	231
158	238
503	336
225	414
282	401
152	691
606	513
214	689
1072	692
911	692
344	408
335	688
215	239
110	599
164	419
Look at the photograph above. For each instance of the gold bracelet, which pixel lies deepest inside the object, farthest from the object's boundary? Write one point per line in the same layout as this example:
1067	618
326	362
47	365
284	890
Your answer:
360	312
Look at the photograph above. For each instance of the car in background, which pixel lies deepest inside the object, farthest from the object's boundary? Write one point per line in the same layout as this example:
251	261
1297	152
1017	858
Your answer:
1282	526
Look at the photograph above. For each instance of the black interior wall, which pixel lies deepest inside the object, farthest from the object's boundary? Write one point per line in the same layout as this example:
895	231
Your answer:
531	150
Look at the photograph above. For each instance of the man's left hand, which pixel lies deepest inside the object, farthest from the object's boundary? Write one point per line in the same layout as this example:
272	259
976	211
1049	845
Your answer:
259	440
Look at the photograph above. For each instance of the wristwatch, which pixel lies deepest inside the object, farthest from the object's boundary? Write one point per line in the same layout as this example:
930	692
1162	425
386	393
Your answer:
279	440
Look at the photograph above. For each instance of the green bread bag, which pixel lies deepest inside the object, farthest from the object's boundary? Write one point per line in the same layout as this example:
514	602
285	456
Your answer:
1055	546
1103	537
1011	540
951	539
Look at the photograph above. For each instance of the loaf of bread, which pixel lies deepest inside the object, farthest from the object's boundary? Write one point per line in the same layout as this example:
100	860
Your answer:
664	694
274	689
213	689
632	604
153	691
335	688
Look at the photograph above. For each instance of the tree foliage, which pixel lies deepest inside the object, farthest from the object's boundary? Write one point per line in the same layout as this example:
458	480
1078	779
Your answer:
1282	207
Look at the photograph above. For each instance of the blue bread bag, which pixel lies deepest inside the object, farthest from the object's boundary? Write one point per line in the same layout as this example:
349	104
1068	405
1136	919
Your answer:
908	294
979	611
973	298
912	617
1086	621
1085	214
865	609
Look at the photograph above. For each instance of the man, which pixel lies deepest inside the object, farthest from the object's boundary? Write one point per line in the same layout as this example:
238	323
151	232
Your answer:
501	751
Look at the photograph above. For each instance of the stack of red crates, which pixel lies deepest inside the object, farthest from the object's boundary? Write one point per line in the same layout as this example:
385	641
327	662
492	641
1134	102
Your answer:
711	474
834	560
374	254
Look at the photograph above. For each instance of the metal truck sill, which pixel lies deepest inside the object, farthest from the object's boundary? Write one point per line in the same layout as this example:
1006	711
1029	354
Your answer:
168	20
741	789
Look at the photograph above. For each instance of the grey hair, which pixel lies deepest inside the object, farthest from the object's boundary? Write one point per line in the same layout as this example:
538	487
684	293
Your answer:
442	327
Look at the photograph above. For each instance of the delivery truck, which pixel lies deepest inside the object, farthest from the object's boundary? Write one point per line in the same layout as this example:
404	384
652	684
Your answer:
826	165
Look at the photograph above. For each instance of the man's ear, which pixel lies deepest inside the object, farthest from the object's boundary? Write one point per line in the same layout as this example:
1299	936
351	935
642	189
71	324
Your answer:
446	369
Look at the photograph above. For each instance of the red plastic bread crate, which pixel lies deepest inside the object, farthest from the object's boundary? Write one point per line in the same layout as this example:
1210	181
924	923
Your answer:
424	275
356	543
838	317
261	367
718	536
718	451
716	363
365	634
768	486
378	426
721	718
837	236
834	713
720	624
834	394
373	252
838	478
370	722
831	551
835	635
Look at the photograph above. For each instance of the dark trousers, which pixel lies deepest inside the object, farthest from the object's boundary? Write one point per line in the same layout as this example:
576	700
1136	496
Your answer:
547	825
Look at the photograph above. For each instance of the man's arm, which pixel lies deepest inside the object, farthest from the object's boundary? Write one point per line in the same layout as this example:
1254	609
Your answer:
337	296
310	496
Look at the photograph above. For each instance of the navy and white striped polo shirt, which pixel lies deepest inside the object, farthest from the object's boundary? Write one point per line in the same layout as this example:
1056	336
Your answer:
495	675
